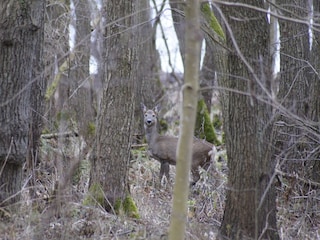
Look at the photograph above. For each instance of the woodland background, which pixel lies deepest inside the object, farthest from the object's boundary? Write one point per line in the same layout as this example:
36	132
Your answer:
73	161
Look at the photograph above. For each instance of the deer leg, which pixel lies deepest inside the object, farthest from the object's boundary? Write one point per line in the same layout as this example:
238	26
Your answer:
195	174
164	170
167	170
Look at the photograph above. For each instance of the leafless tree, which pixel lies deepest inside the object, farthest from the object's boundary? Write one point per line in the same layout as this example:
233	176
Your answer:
293	90
148	79
57	58
297	117
22	90
250	209
82	103
115	121
189	106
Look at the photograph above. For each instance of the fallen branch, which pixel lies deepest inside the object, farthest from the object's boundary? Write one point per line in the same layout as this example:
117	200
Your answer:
59	135
139	145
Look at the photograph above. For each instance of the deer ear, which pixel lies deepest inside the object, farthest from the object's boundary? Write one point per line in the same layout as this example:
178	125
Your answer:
143	107
157	108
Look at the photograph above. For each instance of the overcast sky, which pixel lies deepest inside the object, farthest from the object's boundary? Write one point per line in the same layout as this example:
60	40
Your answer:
171	38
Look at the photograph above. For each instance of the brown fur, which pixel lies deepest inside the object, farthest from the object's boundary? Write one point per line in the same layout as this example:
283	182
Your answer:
163	148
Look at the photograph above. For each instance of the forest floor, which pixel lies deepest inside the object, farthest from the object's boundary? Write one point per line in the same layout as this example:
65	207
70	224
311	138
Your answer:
67	217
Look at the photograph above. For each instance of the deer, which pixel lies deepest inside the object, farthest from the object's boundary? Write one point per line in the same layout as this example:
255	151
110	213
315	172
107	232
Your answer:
164	148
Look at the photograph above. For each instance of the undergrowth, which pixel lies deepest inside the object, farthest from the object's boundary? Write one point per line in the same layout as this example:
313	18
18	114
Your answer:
47	216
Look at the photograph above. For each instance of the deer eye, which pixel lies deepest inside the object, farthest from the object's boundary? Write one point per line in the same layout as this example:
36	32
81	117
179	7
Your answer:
153	115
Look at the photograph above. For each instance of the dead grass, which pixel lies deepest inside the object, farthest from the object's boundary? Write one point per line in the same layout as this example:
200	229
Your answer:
154	201
46	218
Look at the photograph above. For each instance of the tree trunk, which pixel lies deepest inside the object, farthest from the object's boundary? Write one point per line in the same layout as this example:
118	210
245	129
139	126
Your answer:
293	90
21	90
211	67
296	138
77	106
177	11
149	89
207	76
56	56
250	210
314	109
114	130
189	108
299	91
81	103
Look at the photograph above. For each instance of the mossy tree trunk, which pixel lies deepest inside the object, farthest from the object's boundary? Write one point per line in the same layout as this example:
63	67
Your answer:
56	55
111	153
189	105
214	66
211	67
22	88
204	128
251	202
214	33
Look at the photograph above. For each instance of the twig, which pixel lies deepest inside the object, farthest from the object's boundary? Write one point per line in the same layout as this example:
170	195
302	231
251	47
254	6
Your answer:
158	21
6	159
295	176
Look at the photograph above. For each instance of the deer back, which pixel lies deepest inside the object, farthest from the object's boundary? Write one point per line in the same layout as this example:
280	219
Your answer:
201	152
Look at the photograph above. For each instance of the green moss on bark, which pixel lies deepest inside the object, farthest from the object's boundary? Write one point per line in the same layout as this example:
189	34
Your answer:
118	207
212	20
127	206
130	207
217	123
95	196
91	129
204	128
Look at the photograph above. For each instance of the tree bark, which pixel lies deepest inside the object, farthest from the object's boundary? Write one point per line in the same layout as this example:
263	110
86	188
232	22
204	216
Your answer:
190	97
214	58
215	65
177	11
114	129
296	80
299	91
250	210
149	89
81	104
314	112
208	76
97	52
21	91
56	55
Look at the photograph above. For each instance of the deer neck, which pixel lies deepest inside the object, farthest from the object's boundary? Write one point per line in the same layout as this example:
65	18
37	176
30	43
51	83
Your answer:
151	134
